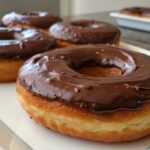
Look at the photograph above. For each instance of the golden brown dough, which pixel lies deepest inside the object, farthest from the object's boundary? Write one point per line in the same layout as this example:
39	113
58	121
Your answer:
117	126
9	69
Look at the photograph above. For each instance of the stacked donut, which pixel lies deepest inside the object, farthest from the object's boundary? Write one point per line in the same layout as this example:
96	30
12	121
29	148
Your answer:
83	88
22	36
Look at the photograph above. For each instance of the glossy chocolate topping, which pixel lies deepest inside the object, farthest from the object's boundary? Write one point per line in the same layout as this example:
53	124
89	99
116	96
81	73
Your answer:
39	19
143	11
53	75
16	42
85	32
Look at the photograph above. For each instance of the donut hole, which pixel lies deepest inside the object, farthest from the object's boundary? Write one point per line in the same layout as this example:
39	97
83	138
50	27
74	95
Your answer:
82	24
86	24
98	70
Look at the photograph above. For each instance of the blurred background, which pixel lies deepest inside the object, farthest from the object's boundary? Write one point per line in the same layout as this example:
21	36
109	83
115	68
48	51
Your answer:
68	7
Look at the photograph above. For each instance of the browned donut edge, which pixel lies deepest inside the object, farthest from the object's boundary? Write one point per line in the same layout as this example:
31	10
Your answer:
134	15
9	69
61	43
117	126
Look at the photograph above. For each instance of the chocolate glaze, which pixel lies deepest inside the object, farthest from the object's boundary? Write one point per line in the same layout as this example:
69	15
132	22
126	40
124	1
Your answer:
39	19
142	11
85	32
52	75
17	42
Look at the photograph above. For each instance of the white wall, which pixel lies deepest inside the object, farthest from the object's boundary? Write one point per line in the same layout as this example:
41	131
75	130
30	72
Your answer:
65	7
7	6
91	6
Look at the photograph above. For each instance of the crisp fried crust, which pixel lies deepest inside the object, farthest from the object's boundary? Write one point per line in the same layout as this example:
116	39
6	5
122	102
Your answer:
117	126
9	69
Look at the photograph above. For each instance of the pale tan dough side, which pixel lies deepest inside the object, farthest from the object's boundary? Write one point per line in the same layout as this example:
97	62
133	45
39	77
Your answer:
9	69
118	126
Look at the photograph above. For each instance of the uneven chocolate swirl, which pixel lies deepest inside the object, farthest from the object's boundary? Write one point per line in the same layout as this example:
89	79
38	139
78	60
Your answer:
142	11
39	19
53	75
17	42
85	32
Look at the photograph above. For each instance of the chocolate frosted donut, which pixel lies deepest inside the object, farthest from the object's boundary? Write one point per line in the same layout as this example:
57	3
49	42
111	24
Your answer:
136	11
18	44
37	19
56	94
84	32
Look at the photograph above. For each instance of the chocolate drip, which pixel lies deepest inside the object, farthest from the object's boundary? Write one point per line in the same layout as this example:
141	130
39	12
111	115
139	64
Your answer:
95	94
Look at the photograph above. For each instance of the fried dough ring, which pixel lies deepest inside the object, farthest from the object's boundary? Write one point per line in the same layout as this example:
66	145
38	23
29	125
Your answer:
119	126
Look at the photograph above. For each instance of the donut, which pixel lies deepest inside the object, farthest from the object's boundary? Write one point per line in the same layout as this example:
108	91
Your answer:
57	93
84	32
18	44
136	11
38	19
